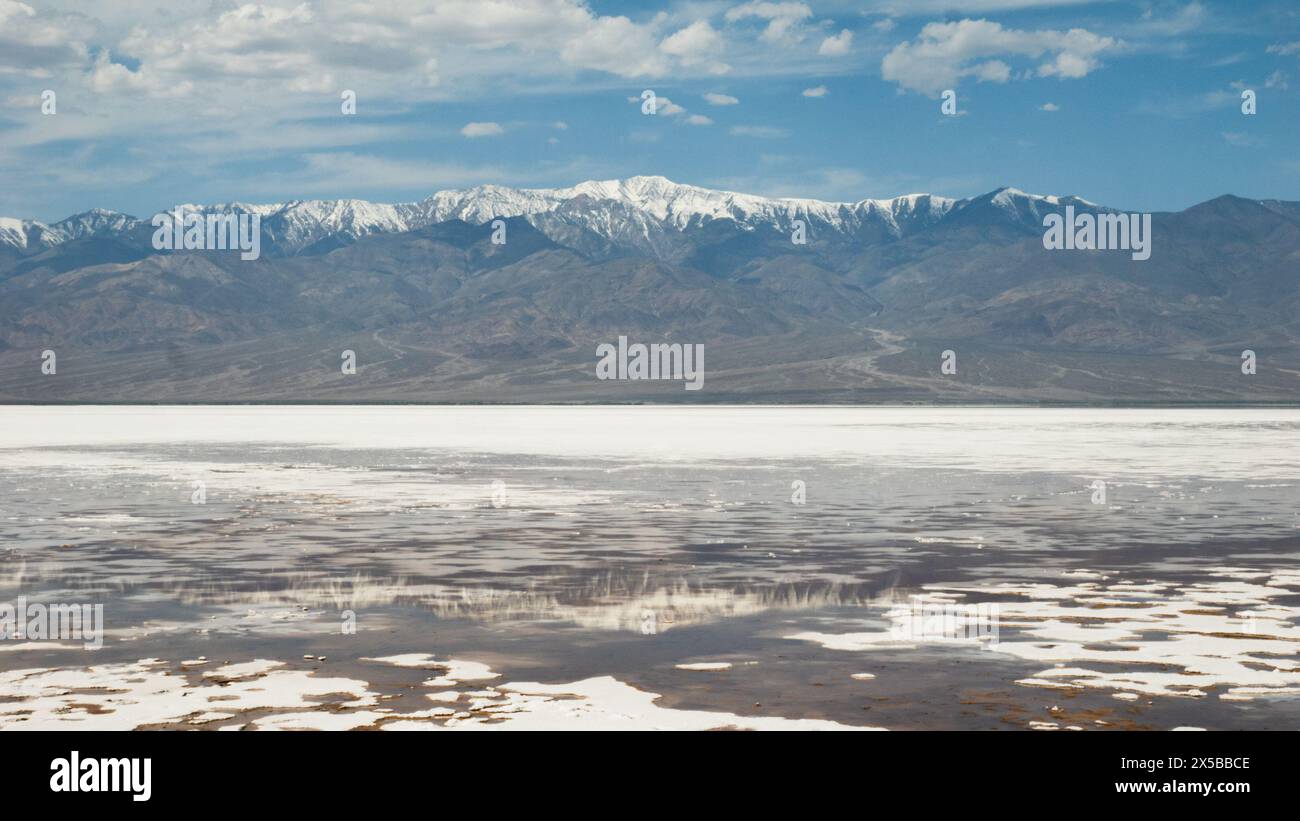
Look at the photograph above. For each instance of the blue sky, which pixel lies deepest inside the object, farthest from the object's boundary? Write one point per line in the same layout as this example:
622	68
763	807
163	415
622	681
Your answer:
1134	105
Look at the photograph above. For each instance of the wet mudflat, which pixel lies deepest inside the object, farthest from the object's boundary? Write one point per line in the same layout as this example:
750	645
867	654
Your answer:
508	568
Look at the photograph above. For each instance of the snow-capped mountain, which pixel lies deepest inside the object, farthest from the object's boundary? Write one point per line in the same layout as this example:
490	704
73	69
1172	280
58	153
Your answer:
93	223
438	311
641	212
28	234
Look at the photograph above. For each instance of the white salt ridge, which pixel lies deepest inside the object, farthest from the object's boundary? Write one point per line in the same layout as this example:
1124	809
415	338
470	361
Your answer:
42	646
605	703
458	671
1190	442
131	695
361	491
453	671
421	660
1248	650
705	666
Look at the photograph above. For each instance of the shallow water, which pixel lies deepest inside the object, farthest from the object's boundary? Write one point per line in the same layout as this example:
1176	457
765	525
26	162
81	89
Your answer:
512	567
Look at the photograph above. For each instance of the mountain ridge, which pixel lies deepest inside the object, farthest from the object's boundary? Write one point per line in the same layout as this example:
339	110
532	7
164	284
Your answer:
295	225
860	312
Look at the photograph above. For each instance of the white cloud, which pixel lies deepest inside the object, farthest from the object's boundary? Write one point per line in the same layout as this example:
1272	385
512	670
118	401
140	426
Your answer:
1240	139
992	71
900	8
248	42
764	131
1285	48
664	107
816	91
560	125
697	45
314	46
1049	107
1231	59
618	46
37	44
783	18
472	130
946	52
699	39
713	98
1191	106
230	64
884	24
1185	19
837	45
108	77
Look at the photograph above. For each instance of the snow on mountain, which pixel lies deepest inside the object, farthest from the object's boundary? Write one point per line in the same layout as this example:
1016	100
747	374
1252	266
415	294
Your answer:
95	222
302	223
28	234
1011	205
678	206
13	232
642	211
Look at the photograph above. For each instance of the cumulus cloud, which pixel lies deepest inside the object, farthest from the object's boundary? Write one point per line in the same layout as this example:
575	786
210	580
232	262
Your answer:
618	46
219	59
108	77
946	52
664	107
816	91
837	45
247	42
783	19
472	130
456	46
38	44
713	98
699	39
1049	107
698	44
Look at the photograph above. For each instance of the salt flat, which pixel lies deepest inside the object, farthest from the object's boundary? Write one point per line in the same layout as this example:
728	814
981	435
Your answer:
657	567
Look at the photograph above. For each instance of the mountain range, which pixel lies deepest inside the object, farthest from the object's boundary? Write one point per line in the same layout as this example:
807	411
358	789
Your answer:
862	311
